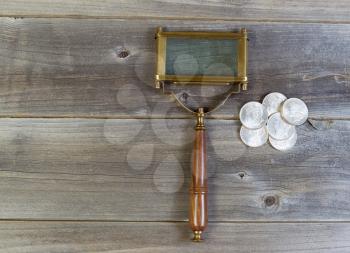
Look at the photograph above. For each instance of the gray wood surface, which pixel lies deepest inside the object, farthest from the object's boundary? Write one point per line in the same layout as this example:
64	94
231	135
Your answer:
77	180
70	68
73	237
297	10
138	170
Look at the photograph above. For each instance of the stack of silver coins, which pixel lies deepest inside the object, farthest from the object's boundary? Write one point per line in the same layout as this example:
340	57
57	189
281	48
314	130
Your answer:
275	119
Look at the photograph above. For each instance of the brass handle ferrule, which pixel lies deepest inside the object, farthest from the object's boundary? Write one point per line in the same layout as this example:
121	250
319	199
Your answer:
200	119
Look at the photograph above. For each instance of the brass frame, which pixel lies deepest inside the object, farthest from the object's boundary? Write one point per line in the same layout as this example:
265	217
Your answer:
241	77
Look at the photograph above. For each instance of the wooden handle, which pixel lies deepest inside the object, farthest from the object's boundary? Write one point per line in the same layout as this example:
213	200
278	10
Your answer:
199	188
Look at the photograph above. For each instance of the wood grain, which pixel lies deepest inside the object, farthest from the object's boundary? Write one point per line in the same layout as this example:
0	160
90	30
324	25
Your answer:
71	68
298	10
198	213
132	173
43	237
139	170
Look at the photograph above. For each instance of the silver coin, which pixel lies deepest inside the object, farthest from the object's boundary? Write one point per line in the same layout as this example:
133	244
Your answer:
254	137
284	144
294	111
253	115
273	102
278	128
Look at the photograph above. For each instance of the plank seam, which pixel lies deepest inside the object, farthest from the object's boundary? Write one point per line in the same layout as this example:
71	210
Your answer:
121	117
289	21
177	221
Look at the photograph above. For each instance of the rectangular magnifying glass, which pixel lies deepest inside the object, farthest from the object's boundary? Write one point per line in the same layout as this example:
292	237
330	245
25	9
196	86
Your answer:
202	57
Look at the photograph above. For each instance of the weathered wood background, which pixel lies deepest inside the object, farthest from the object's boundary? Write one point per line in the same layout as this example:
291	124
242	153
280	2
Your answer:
94	159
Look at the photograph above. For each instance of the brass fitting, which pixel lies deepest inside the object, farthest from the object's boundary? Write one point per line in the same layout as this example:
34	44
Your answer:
197	236
200	119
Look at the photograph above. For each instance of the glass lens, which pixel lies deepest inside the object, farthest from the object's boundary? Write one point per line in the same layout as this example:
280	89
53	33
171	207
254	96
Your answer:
211	57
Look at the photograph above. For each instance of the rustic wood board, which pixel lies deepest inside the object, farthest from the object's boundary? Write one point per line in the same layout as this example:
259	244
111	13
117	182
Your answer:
70	67
138	170
43	237
298	10
121	185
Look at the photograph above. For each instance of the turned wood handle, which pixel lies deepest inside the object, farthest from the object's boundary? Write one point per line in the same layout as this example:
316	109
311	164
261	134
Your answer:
199	188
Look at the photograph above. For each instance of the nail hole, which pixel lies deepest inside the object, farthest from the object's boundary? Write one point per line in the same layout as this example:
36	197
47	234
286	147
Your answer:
123	53
241	175
270	201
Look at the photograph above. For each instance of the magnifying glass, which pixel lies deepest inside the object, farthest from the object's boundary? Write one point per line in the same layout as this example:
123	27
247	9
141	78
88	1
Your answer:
201	70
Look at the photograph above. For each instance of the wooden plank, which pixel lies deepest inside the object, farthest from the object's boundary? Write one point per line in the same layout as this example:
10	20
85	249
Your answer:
42	237
138	170
297	10
70	68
